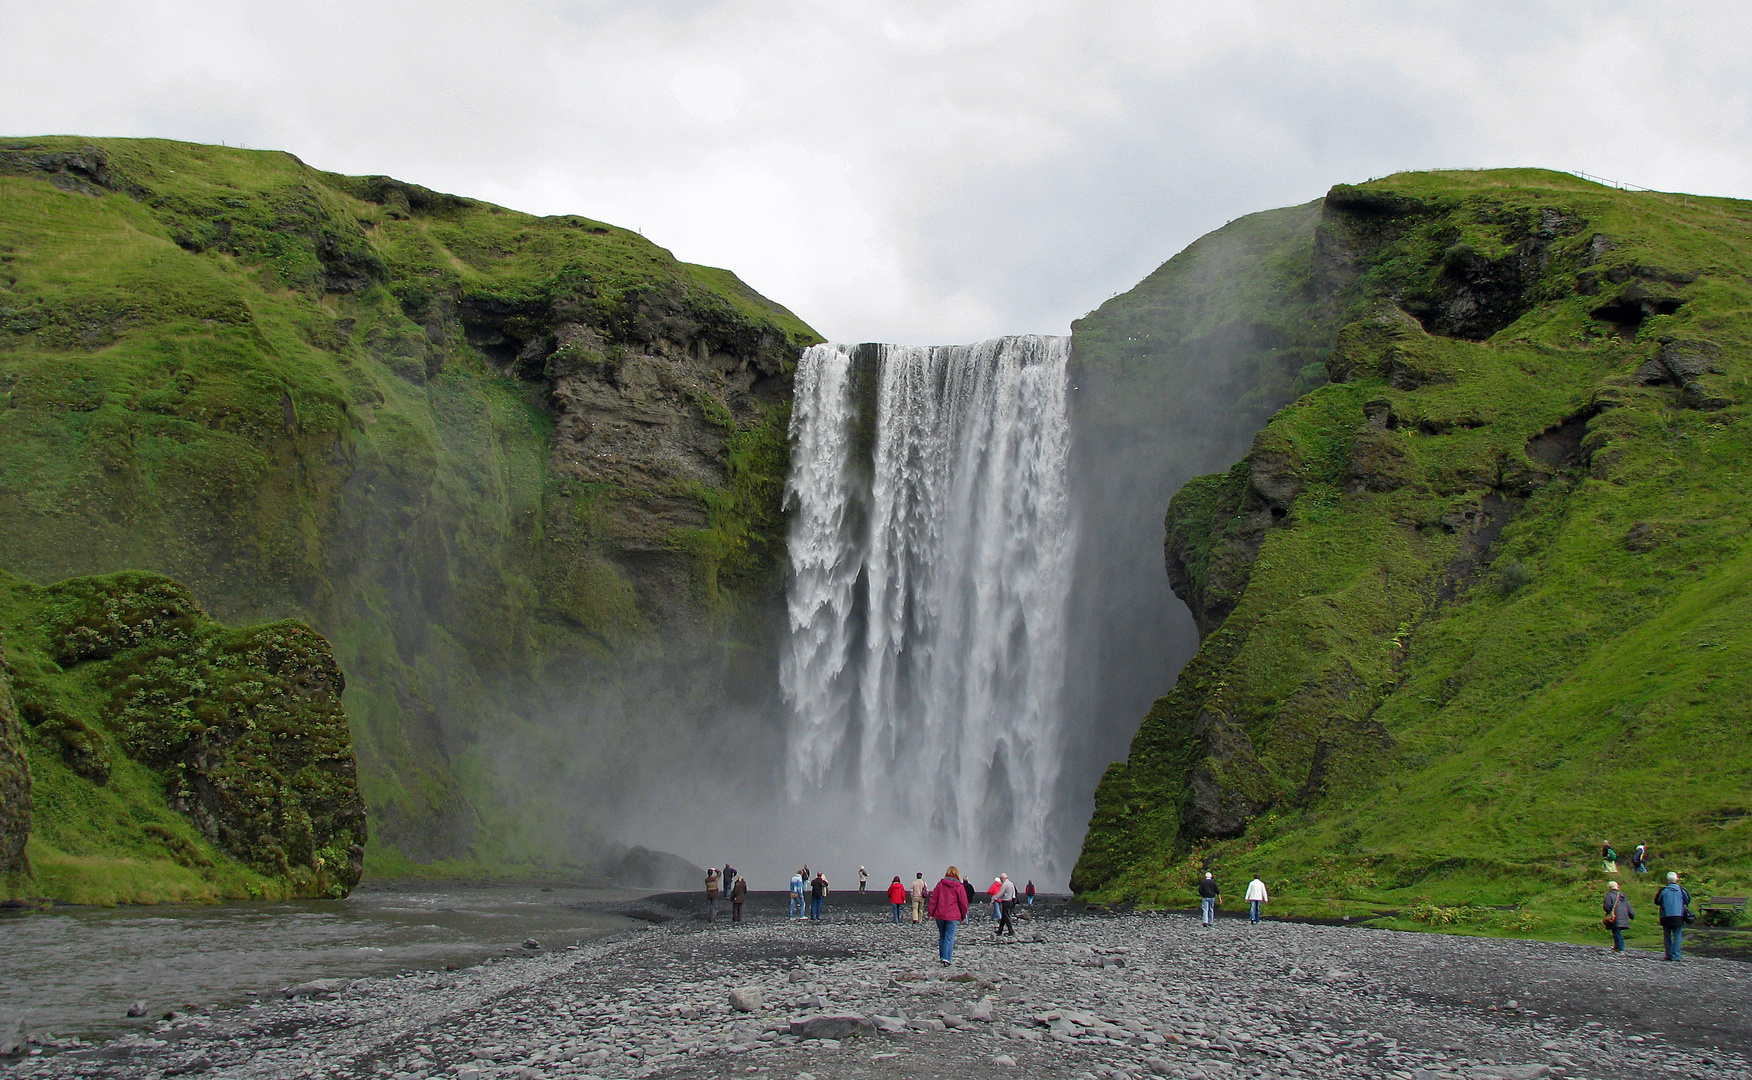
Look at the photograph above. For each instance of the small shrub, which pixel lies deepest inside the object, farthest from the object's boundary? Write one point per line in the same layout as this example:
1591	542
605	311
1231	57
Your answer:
1511	577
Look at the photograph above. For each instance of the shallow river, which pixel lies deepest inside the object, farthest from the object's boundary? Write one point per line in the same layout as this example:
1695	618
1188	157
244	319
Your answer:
75	971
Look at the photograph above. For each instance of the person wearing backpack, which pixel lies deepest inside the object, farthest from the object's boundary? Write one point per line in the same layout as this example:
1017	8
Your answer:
1618	914
1609	857
1029	892
1674	904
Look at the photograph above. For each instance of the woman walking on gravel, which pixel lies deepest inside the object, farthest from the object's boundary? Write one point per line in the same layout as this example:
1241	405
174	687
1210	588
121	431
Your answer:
948	907
738	893
897	896
1618	914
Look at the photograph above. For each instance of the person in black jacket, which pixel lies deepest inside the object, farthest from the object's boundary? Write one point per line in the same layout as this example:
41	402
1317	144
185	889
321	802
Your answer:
1618	914
738	894
1208	894
971	893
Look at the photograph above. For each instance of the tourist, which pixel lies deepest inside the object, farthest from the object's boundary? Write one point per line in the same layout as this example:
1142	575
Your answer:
728	878
1208	893
797	895
1674	904
1639	859
817	894
971	893
992	892
1609	857
1256	897
1030	892
863	880
738	893
1618	914
919	891
1006	905
711	895
948	906
897	896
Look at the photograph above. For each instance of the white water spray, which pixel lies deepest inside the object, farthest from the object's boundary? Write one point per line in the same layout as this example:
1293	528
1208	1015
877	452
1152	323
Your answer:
930	554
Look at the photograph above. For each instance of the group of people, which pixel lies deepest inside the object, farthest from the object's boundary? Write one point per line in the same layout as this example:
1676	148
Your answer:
951	901
729	883
1210	894
1639	858
1672	901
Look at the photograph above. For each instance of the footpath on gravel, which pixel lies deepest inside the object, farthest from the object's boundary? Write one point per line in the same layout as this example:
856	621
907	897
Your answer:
1081	996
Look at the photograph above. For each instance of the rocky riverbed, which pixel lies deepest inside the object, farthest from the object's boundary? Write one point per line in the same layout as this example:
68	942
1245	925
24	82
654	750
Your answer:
1081	996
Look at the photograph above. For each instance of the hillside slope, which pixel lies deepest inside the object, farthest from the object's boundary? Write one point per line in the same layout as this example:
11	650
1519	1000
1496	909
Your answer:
494	458
1480	604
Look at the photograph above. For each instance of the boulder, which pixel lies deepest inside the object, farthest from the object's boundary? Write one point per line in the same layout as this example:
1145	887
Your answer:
746	999
317	988
831	1026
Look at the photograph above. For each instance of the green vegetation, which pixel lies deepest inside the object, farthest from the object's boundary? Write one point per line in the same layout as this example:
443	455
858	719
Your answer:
367	405
1398	707
172	757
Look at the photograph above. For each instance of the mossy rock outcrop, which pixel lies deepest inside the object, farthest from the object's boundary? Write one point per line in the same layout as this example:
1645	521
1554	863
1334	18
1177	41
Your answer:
1475	606
173	756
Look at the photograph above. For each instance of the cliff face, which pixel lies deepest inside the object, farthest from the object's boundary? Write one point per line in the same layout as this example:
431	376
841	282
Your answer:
502	462
1475	603
175	757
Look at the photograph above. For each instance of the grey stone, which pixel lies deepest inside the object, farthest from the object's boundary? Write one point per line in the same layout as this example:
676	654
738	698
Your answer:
798	975
317	988
888	1023
829	1026
138	1008
746	999
981	1010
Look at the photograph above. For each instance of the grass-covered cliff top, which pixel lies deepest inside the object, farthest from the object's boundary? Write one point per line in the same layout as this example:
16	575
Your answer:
1480	604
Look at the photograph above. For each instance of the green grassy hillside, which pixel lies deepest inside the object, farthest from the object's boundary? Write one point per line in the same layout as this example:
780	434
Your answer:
1479	604
172	757
417	421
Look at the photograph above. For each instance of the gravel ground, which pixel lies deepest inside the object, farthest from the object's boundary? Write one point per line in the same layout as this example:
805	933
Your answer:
1081	996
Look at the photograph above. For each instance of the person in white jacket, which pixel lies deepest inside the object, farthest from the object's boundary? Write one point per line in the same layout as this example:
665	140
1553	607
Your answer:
1256	898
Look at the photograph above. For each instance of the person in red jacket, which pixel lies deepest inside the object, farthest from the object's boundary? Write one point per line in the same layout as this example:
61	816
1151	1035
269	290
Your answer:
897	896
948	907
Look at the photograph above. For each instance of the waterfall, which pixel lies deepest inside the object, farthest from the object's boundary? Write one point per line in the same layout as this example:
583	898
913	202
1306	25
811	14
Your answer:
930	548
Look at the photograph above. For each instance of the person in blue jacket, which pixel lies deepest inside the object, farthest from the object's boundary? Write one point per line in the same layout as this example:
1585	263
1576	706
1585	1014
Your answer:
1673	903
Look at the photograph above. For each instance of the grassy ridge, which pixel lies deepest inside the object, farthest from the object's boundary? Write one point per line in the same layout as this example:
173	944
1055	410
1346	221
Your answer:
1406	710
325	397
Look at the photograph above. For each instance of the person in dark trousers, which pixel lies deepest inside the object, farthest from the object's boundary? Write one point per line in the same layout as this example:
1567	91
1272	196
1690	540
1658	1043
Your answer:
897	896
738	893
817	894
1006	905
971	893
711	895
1674	904
863	880
1618	914
1207	895
1639	859
949	905
1029	892
728	878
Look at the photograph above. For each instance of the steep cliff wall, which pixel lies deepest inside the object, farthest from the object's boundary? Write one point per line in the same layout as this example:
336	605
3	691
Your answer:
1474	607
523	472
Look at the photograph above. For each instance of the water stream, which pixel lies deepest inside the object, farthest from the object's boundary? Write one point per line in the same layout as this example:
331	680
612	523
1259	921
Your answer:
930	555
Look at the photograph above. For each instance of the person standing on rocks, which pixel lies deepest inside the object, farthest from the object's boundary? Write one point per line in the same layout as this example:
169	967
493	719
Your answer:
967	886
1006	905
728	877
711	895
996	887
949	903
1618	914
1207	894
897	896
919	891
1029	892
1256	898
817	895
1674	904
863	880
797	895
738	893
1609	857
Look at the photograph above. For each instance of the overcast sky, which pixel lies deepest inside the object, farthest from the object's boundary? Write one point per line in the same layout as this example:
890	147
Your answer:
914	171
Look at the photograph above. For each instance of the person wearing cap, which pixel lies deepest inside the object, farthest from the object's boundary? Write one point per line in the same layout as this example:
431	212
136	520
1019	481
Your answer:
1618	914
1006	905
1674	904
863	880
1207	895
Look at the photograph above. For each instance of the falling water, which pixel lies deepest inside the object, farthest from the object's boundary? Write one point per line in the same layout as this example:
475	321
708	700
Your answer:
930	552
